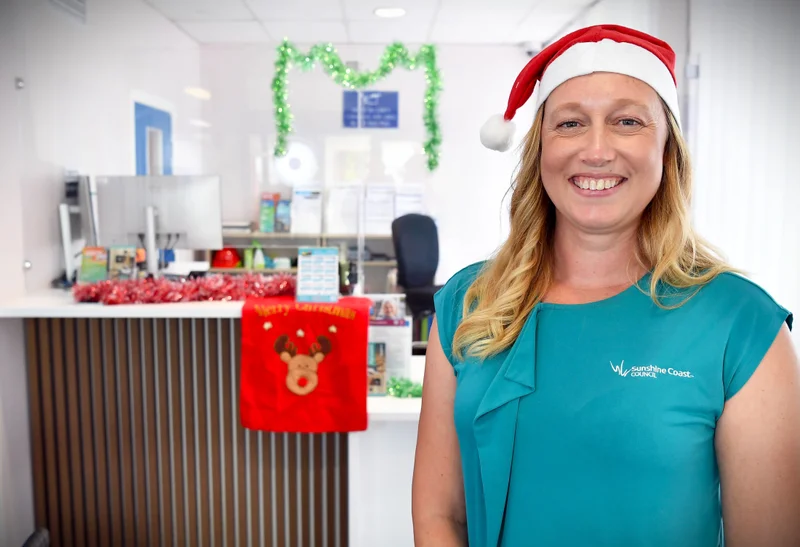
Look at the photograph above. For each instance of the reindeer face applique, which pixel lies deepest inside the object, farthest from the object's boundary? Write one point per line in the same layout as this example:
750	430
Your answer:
301	376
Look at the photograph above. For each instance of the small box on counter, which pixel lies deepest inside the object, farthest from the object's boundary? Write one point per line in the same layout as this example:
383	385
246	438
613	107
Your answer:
283	216
94	265
376	368
122	262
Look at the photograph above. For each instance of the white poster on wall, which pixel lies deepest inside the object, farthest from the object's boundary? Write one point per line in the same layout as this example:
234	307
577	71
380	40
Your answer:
307	210
379	209
341	213
409	198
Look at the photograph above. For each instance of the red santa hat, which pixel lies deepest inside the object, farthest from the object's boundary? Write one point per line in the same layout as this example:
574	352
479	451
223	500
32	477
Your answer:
601	48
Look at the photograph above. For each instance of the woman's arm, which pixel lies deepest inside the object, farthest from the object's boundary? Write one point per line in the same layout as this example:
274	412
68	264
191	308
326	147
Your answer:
758	450
437	491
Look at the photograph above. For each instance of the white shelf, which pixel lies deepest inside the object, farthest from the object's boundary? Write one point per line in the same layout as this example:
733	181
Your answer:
251	270
237	234
56	303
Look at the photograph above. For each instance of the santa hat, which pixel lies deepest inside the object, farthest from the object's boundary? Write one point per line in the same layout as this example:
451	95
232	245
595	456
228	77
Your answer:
601	48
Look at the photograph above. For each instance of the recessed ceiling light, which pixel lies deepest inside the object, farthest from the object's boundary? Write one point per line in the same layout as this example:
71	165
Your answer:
198	93
390	13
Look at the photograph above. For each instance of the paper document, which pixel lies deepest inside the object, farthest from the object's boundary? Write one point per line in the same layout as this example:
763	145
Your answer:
379	209
307	211
341	216
409	198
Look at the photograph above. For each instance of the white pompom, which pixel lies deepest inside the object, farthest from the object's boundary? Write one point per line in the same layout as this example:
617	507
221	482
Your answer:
497	133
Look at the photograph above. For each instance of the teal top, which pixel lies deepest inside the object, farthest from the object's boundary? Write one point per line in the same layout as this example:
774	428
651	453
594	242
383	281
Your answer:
597	426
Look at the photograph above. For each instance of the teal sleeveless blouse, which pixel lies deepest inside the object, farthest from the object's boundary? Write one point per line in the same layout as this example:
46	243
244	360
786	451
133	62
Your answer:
597	426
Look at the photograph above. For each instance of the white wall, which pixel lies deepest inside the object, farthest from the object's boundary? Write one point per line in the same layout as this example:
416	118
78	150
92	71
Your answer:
16	499
77	107
741	121
747	139
464	194
75	112
11	99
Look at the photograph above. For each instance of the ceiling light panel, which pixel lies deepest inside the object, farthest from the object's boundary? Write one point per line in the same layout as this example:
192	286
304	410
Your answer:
389	13
364	10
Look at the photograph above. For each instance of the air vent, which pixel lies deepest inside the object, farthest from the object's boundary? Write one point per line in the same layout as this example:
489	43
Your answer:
73	7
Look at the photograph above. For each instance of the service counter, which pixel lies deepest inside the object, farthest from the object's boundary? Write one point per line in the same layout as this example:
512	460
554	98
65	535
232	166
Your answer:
125	420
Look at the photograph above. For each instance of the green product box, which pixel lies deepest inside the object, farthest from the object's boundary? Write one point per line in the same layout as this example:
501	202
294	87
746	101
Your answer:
267	212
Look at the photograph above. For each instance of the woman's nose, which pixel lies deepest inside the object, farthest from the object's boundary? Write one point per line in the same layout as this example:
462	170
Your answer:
598	148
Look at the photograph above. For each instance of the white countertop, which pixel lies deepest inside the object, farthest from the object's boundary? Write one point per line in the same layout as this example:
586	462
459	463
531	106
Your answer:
392	409
58	303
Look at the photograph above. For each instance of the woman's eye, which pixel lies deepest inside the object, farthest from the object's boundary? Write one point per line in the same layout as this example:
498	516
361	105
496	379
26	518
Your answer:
568	125
629	122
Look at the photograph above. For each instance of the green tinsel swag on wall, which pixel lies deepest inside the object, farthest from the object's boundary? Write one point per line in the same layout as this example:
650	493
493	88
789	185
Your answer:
395	55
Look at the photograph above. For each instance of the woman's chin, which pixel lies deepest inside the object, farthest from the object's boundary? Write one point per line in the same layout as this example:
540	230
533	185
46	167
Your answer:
595	221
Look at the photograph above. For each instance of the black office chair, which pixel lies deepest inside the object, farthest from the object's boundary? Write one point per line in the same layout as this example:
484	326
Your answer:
40	538
416	246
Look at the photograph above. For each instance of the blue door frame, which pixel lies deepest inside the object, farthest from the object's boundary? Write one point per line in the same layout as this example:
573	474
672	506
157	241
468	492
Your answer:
149	117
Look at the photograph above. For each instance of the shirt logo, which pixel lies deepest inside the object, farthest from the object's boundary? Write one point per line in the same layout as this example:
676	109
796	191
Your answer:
648	371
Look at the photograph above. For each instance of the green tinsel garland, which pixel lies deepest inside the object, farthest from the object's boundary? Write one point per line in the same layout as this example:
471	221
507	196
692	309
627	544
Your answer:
395	55
403	387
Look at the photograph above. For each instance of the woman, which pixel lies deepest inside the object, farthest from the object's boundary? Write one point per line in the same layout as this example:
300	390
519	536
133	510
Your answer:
606	379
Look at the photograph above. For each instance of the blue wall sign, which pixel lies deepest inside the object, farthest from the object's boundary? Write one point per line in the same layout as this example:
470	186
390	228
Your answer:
350	109
379	109
371	109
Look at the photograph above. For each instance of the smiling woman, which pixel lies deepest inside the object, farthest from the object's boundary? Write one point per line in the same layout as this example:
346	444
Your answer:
594	142
603	376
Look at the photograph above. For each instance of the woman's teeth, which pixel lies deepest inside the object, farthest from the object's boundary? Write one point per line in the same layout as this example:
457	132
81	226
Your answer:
595	184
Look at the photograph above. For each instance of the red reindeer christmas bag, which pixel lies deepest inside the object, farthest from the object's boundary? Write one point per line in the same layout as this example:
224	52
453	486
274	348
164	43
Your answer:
304	365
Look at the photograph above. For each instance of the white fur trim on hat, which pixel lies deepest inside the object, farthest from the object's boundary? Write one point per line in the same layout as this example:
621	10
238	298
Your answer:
497	133
610	56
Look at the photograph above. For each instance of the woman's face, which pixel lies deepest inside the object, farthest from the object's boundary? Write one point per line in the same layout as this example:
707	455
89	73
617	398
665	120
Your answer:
603	139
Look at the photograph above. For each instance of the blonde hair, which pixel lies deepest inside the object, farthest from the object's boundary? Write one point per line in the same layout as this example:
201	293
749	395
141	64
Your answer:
508	287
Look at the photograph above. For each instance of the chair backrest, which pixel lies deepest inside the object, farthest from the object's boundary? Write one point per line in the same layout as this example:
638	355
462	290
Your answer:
40	538
416	246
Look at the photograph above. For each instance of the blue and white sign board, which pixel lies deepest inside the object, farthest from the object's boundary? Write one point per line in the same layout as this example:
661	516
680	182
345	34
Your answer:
379	109
317	274
350	109
371	109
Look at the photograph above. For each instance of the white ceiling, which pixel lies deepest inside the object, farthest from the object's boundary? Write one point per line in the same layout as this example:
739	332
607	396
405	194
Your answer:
353	21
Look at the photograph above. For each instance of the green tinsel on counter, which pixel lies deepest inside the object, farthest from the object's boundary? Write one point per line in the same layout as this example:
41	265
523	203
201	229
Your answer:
396	55
403	387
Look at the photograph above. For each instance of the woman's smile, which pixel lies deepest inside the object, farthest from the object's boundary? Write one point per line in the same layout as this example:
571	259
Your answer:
597	185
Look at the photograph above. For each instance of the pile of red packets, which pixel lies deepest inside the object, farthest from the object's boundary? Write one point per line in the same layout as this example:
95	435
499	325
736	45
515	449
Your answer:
219	288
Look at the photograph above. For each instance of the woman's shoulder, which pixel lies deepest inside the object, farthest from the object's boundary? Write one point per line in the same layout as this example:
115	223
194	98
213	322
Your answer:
462	280
449	304
740	314
732	292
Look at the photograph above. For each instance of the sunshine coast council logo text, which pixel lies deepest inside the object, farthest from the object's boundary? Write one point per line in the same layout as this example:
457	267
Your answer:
649	371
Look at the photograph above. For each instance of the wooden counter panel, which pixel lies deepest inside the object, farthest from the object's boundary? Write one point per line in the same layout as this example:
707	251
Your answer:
136	441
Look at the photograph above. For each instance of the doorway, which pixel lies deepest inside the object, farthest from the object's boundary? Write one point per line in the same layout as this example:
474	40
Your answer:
153	140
